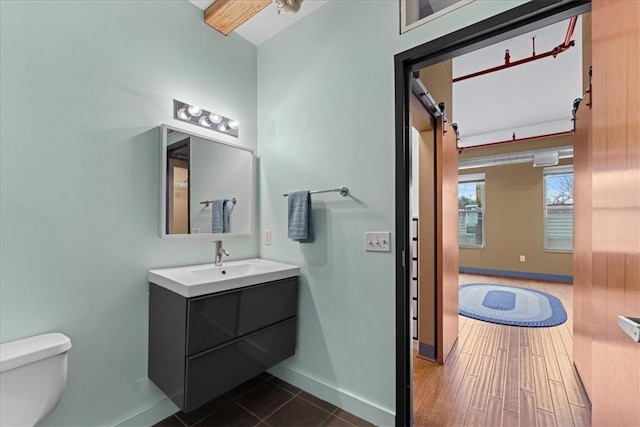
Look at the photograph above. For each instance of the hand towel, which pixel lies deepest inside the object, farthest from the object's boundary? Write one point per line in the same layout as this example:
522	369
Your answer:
219	216
299	218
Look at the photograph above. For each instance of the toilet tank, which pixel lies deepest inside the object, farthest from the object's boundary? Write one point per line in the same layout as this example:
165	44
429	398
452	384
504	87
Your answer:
33	374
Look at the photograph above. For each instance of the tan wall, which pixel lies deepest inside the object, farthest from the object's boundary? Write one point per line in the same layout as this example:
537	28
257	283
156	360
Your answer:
426	239
437	79
514	215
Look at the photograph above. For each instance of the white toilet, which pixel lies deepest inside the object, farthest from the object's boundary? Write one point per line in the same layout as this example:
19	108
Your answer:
33	374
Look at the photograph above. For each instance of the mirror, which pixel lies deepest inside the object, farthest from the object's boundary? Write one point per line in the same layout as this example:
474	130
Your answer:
207	185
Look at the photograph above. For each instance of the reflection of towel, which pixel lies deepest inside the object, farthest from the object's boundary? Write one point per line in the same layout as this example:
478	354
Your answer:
300	217
219	216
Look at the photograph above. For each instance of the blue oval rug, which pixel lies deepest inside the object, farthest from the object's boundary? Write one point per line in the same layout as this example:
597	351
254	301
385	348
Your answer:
511	305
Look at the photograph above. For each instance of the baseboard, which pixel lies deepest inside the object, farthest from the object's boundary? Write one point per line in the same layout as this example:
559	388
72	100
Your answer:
517	274
427	350
150	414
341	398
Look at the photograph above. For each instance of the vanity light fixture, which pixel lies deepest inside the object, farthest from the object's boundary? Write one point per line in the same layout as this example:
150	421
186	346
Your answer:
197	116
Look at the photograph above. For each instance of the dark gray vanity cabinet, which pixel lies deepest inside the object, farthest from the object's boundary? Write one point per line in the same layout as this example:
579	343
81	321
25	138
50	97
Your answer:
201	347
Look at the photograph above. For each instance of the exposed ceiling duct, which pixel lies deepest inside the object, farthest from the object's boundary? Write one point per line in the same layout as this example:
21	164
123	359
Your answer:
564	46
564	152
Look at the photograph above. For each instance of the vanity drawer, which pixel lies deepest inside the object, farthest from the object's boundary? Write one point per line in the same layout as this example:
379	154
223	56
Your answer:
218	318
210	374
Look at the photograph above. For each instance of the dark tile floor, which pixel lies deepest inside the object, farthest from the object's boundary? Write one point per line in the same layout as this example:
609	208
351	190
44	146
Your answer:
266	401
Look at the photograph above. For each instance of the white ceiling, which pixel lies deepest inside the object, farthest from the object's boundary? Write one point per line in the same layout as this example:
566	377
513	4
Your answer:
530	99
267	23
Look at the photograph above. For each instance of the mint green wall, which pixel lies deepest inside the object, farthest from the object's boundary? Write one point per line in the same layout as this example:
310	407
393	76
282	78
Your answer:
84	86
325	119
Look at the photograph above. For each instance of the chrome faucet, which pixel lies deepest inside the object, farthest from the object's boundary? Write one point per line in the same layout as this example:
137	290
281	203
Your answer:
219	252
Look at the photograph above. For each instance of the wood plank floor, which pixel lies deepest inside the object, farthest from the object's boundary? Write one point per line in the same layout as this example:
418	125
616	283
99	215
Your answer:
499	375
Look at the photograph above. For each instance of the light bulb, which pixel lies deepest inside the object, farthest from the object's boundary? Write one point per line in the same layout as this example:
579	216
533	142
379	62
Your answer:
204	122
194	110
182	114
233	124
222	127
215	118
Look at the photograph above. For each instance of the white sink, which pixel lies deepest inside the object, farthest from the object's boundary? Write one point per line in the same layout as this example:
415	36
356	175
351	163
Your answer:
195	280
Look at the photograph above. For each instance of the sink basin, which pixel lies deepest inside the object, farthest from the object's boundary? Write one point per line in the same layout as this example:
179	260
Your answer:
196	280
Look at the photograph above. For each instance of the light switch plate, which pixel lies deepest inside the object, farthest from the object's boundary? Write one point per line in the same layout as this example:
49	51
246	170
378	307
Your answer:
267	237
377	241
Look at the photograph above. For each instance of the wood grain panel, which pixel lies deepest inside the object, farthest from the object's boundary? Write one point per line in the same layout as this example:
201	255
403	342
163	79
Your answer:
556	339
616	210
481	390
514	342
492	343
427	314
581	416
526	370
524	336
582	241
528	410
560	404
553	371
447	237
541	382
476	356
503	341
546	419
475	419
570	381
536	343
227	15
510	419
497	385
512	385
461	404
494	412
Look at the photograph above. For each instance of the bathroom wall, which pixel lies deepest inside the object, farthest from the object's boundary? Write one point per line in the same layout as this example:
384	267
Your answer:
84	87
325	119
87	84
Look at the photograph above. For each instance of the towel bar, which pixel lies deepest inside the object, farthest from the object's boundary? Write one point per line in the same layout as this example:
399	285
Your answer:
208	202
344	191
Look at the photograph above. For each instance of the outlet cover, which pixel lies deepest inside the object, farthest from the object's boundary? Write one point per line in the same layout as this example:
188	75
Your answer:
522	258
267	237
377	241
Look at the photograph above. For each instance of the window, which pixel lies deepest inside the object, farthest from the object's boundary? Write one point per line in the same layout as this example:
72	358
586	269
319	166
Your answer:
558	208
471	214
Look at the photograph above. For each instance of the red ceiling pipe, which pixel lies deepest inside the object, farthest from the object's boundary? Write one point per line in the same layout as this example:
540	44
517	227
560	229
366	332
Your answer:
572	26
514	139
566	44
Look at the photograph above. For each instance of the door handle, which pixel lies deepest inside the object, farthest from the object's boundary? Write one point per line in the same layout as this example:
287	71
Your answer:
631	326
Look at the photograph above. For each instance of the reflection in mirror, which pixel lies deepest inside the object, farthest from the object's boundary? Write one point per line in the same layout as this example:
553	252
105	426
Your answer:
206	185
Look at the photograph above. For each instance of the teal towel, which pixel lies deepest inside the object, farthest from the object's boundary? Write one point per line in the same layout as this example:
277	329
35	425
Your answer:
299	217
219	216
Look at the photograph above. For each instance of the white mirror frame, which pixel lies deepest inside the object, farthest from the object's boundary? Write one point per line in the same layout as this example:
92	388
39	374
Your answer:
163	186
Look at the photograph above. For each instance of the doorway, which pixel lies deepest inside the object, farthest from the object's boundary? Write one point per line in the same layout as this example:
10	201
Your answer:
507	25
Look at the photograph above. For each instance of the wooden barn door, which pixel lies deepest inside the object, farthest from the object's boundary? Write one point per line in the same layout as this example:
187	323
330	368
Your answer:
615	379
446	238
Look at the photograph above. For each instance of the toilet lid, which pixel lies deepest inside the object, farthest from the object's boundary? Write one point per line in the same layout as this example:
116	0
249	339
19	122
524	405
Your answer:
28	350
